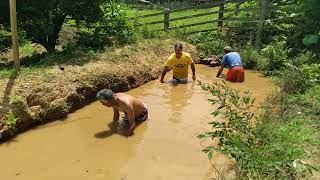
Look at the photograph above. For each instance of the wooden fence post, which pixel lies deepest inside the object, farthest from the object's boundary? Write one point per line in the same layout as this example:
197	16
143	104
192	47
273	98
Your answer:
14	35
166	19
221	9
263	13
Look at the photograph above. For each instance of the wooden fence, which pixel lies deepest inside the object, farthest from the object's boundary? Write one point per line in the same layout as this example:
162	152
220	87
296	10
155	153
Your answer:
255	20
221	18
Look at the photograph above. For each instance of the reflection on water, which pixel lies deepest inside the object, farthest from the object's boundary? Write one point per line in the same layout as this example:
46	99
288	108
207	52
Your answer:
85	145
178	98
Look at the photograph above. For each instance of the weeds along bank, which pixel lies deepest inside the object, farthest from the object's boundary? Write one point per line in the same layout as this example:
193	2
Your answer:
282	140
44	93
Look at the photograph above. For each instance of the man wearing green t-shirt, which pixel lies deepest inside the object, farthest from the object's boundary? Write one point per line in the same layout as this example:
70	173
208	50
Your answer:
179	62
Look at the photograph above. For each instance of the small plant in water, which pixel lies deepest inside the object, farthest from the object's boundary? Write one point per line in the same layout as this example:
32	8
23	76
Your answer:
11	119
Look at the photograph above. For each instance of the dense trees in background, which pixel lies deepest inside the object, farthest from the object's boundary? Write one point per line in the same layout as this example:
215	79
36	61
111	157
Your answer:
41	20
298	24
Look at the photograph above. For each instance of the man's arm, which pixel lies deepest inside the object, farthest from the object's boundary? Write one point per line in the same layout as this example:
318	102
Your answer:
220	70
164	72
193	68
115	114
132	121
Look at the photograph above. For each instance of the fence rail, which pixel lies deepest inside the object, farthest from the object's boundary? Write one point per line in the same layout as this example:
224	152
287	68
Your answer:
166	21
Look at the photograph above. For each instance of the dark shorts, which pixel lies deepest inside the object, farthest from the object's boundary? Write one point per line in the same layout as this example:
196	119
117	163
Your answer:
180	80
142	117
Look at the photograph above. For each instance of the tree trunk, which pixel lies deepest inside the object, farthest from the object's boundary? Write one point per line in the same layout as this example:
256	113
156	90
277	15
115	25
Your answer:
54	36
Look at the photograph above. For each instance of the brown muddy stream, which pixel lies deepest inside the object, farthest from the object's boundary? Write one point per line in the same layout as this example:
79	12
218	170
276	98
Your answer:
82	147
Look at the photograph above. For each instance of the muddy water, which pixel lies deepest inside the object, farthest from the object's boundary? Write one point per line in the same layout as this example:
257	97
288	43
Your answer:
163	148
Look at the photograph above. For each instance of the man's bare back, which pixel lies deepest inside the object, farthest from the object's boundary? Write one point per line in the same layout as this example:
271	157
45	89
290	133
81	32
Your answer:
126	101
133	108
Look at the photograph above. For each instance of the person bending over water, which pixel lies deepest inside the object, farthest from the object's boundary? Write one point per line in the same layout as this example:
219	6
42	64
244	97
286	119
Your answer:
233	61
133	108
179	62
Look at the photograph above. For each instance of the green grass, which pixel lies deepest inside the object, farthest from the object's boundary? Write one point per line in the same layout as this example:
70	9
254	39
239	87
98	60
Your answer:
137	13
27	50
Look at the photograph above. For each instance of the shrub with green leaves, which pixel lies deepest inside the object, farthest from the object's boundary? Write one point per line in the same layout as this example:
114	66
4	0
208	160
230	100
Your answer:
209	43
275	58
263	148
5	39
11	119
113	23
250	57
42	20
293	80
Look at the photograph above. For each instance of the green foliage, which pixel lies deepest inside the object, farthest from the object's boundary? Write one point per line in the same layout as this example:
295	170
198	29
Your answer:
147	33
264	148
307	103
116	23
250	57
311	39
293	80
113	24
42	20
209	43
15	99
275	58
11	119
304	58
298	23
5	39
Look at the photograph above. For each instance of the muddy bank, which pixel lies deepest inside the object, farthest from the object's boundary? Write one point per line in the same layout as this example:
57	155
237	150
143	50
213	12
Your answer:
52	93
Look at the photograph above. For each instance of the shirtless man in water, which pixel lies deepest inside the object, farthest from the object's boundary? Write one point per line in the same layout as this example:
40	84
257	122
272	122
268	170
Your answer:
133	108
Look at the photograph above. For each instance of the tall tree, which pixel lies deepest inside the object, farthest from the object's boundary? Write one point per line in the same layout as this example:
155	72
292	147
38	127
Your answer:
42	20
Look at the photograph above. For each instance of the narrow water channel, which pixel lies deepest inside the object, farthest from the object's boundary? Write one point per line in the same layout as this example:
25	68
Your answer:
82	147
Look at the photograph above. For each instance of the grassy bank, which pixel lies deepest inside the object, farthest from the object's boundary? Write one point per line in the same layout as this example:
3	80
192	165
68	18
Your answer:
61	83
282	140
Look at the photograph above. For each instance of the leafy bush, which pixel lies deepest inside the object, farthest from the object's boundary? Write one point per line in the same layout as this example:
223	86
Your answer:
42	20
11	119
264	148
147	33
5	39
293	80
307	103
250	57
275	58
313	72
304	58
114	27
209	43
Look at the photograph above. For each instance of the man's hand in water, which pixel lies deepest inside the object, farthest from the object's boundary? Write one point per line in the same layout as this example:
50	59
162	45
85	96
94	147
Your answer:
129	133
115	126
194	78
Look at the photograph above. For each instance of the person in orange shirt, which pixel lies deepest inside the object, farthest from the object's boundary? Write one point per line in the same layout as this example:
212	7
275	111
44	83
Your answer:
179	62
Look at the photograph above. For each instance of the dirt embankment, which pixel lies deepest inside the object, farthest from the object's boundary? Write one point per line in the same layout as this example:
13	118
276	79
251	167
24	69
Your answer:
52	93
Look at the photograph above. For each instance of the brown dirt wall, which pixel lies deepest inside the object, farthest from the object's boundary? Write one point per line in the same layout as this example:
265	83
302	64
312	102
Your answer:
52	93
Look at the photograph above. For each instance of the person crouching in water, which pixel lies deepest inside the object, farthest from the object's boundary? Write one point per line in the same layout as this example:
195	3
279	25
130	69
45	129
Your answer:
133	108
232	60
